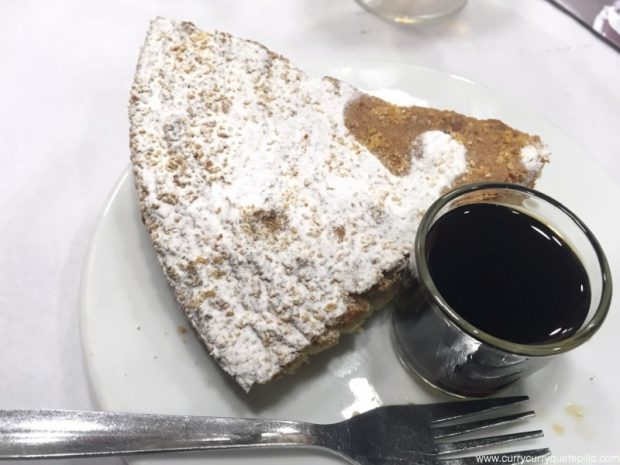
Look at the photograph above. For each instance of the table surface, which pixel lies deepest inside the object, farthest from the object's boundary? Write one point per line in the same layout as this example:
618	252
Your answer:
66	70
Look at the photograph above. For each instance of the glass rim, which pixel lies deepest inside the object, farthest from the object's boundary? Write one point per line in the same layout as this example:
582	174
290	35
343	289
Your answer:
409	19
534	350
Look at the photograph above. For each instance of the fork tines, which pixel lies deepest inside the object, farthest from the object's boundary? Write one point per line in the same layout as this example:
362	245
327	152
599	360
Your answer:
456	410
463	410
440	432
461	446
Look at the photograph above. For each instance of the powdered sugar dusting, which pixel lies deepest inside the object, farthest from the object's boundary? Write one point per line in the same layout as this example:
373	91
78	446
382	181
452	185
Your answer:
533	158
267	215
440	154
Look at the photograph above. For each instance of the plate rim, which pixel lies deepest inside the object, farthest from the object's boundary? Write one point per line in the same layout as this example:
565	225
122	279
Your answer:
311	67
83	314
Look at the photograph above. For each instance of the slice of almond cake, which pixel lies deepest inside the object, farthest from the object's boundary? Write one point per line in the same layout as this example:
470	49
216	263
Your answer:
283	207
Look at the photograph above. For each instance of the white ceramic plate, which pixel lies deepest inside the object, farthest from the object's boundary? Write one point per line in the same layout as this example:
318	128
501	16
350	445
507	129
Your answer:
141	359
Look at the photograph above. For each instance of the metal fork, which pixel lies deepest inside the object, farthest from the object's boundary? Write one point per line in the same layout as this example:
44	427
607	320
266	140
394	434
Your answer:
397	434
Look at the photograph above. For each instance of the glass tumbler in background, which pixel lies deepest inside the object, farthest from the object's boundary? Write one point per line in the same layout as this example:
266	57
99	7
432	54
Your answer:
412	11
447	351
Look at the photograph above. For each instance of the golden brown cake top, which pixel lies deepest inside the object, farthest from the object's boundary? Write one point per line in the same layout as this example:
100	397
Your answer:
493	148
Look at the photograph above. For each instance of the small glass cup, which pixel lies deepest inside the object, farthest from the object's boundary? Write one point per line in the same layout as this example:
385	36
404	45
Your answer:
450	353
412	11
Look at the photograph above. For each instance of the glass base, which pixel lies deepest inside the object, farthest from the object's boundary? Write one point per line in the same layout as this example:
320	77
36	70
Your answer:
443	356
412	11
418	372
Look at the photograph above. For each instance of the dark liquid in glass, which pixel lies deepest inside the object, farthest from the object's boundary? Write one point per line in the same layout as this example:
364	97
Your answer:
508	274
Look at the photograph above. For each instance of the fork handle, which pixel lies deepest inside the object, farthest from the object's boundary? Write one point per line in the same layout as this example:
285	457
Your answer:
62	433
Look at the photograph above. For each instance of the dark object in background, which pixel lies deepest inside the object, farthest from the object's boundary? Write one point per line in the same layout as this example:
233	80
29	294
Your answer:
601	17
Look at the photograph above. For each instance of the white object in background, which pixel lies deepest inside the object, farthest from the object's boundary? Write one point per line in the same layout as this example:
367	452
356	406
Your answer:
610	17
412	11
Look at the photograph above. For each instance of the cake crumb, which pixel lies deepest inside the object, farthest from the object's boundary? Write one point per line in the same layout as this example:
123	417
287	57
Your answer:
559	428
575	411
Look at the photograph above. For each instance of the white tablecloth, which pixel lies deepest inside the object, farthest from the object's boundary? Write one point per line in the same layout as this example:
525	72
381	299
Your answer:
65	70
